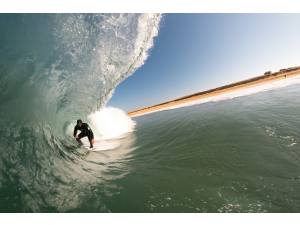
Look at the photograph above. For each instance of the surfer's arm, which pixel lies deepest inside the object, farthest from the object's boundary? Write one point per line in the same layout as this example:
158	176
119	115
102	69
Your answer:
75	131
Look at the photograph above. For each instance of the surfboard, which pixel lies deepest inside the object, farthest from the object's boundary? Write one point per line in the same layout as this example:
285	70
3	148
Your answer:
99	145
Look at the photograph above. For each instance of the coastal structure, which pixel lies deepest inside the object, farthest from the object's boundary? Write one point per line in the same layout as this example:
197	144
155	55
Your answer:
252	82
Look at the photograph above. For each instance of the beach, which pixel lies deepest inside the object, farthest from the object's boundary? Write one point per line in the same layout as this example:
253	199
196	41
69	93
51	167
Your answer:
267	78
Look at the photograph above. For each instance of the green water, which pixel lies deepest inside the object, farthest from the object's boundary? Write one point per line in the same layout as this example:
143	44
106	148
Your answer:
239	155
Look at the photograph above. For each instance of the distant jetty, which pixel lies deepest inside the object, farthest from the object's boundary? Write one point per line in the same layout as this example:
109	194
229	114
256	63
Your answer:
259	80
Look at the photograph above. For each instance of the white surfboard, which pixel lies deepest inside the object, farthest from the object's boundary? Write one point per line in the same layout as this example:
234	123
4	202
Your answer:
99	145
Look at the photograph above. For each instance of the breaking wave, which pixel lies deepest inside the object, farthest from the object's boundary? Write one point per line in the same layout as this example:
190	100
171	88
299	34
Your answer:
54	69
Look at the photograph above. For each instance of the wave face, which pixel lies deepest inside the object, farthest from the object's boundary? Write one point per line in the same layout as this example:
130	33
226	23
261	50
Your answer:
55	68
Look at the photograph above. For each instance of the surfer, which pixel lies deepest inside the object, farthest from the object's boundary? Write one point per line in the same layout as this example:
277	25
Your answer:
86	131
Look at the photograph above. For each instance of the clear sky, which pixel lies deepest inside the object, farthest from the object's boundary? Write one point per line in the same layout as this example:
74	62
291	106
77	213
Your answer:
195	52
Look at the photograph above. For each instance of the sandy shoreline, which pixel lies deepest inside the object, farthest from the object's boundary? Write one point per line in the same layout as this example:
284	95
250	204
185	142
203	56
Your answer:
253	82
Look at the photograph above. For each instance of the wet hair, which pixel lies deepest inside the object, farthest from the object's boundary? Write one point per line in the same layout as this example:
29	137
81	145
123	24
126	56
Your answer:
79	121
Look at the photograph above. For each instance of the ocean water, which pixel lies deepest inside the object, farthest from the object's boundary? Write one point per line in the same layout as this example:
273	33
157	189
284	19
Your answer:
238	155
235	155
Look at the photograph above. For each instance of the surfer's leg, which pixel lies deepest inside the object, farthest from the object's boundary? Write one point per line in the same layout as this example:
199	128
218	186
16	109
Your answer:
79	141
79	137
91	139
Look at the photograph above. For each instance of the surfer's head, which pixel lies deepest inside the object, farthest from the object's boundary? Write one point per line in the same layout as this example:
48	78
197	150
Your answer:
79	122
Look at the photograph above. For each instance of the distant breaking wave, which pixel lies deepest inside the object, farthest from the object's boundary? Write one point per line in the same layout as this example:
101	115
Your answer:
54	69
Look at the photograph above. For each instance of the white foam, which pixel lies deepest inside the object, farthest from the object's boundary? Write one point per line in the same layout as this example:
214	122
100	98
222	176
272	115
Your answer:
111	123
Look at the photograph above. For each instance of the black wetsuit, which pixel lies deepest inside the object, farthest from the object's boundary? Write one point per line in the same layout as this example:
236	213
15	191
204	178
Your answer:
86	131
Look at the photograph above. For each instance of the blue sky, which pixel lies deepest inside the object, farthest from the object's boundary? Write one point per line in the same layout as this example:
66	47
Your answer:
195	52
